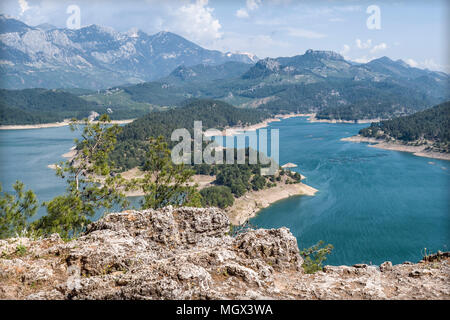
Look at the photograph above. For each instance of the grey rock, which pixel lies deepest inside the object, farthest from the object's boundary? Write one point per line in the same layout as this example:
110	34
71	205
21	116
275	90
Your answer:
386	266
186	253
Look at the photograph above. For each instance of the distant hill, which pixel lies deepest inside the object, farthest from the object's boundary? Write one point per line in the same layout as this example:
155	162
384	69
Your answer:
204	72
431	125
136	73
322	82
129	151
33	106
94	57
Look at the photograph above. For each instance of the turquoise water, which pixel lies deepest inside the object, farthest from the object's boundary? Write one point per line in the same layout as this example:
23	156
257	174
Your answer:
25	156
373	205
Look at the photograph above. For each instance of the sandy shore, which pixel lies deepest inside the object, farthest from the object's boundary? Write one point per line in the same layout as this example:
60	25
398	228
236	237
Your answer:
314	119
201	180
249	204
53	125
239	129
311	118
231	131
72	153
416	150
244	207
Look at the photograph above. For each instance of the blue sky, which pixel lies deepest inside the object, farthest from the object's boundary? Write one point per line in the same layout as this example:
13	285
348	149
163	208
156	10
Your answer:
415	31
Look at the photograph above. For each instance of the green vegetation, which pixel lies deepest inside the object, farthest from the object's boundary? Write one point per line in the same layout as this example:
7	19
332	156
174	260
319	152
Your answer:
242	178
132	141
121	104
333	89
432	124
217	196
93	184
32	106
315	256
371	100
15	210
90	185
21	250
165	183
239	178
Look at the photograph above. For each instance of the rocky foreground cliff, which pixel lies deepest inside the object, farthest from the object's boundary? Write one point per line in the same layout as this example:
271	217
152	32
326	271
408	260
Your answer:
187	253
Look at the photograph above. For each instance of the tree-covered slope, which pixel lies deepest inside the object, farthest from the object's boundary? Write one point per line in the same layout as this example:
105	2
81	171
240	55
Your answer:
432	124
31	106
317	81
129	151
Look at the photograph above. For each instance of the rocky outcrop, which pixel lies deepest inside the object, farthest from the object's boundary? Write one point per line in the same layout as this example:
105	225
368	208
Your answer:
187	253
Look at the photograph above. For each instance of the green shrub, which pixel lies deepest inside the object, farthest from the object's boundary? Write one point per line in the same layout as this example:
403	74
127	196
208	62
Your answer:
217	196
315	256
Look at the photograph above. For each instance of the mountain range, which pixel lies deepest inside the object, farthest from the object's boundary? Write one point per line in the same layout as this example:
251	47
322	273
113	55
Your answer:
94	57
152	72
322	82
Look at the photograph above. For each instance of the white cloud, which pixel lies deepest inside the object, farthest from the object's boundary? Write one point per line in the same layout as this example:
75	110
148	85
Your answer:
368	48
23	6
336	20
412	63
242	13
363	45
369	45
253	4
429	64
379	47
348	8
363	59
250	6
196	21
262	45
345	49
303	33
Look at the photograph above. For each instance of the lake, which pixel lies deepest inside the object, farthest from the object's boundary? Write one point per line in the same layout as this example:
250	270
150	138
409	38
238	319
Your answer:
373	205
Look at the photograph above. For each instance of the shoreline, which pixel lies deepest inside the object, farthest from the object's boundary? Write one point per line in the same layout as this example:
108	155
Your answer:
278	117
231	131
225	132
202	181
244	207
53	125
415	150
359	121
252	202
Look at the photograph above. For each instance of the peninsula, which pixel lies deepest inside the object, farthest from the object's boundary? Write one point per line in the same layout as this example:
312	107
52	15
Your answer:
425	133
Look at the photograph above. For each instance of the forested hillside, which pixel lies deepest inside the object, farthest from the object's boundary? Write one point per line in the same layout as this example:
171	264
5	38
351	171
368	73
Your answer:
213	114
236	179
32	106
432	124
40	106
318	81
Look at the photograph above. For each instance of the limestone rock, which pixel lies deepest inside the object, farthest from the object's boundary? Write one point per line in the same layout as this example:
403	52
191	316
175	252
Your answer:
187	253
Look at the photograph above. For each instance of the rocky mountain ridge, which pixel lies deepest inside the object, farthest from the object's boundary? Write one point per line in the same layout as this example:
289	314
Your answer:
187	253
94	57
